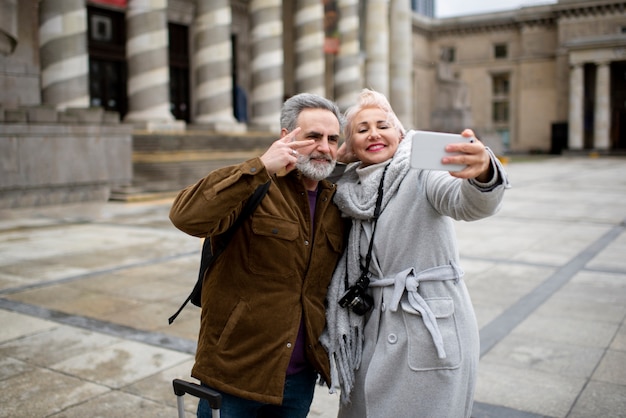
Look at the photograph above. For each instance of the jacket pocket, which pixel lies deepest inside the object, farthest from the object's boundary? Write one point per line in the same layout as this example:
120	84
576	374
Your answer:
422	353
240	309
273	245
335	241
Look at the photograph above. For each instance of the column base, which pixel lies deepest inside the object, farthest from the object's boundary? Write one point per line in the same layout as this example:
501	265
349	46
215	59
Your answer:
222	126
160	125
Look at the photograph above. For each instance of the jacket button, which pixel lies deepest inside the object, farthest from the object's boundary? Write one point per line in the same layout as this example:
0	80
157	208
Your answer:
288	345
275	231
253	170
392	338
306	242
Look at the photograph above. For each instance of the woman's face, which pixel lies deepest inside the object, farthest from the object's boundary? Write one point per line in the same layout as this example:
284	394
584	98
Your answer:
374	138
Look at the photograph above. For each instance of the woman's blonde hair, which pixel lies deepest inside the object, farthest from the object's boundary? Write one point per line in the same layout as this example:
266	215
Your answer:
369	99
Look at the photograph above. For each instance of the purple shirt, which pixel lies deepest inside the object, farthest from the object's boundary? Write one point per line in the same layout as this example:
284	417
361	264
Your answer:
298	361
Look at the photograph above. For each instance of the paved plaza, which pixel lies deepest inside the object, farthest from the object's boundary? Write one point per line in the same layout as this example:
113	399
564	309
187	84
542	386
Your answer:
86	290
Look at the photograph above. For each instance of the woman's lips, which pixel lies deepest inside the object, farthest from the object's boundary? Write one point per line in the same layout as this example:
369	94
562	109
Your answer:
375	147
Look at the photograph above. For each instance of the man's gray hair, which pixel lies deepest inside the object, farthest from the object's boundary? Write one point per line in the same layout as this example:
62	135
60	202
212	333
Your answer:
294	105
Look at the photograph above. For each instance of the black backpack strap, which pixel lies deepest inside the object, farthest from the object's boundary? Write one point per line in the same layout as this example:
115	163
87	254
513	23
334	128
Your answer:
207	257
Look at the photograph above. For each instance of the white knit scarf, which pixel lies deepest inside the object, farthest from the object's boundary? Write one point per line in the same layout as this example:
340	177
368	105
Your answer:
356	195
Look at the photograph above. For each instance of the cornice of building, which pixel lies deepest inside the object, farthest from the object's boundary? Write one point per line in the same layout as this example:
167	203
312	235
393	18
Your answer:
528	16
576	8
595	42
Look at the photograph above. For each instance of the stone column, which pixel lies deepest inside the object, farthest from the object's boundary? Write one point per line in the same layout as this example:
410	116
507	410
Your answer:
212	65
377	45
576	90
602	113
63	52
401	61
348	62
148	62
266	95
309	47
8	26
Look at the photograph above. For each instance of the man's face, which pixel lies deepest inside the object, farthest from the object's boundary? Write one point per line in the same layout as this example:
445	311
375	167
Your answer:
317	161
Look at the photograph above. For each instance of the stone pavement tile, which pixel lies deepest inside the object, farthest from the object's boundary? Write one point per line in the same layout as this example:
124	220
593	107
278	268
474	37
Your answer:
10	367
41	392
325	405
600	399
590	296
612	369
612	257
495	288
69	250
498	237
142	283
186	325
15	325
120	364
116	404
73	300
55	345
526	390
585	333
145	316
619	342
545	356
158	387
557	243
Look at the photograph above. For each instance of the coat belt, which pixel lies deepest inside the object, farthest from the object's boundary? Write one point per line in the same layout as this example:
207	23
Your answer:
408	279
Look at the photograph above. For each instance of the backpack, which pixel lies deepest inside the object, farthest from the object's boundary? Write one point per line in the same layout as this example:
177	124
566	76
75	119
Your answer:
208	257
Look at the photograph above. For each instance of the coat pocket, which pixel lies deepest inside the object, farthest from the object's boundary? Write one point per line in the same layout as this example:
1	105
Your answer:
422	353
272	246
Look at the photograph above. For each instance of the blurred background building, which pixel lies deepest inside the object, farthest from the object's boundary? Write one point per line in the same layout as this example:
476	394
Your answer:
164	90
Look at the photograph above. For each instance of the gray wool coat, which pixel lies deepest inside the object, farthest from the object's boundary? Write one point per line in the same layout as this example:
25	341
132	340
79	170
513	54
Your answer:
421	348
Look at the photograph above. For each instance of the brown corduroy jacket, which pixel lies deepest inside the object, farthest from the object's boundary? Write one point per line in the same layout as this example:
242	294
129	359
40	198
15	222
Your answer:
276	268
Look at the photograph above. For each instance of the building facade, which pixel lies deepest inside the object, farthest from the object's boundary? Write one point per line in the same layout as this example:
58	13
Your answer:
541	78
538	78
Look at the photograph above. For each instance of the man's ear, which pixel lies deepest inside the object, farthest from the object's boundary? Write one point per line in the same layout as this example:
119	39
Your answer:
283	132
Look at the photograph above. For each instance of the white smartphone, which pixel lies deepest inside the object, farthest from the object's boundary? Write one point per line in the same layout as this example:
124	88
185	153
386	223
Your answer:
428	148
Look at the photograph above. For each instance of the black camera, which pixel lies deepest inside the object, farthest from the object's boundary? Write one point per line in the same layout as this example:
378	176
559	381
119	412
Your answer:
356	297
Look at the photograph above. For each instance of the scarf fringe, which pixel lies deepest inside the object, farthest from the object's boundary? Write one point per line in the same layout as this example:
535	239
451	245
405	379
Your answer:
346	360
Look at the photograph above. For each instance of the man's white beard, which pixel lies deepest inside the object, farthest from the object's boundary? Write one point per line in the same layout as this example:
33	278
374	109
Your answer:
315	170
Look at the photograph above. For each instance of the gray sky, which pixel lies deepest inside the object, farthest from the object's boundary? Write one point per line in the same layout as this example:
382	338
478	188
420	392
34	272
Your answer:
450	8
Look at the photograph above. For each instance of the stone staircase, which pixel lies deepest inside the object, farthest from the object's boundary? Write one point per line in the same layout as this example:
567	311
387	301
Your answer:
164	163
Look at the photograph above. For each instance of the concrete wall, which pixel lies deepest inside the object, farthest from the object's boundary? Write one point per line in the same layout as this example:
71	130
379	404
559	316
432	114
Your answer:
19	69
49	163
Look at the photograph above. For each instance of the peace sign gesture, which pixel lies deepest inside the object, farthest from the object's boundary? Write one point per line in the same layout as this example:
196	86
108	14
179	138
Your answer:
283	153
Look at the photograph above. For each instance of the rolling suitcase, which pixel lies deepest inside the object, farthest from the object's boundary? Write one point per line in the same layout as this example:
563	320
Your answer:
181	387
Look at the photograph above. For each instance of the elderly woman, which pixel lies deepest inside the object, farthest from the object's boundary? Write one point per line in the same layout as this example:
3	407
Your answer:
415	352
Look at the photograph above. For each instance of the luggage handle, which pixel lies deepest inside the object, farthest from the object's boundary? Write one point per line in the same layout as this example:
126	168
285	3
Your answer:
213	397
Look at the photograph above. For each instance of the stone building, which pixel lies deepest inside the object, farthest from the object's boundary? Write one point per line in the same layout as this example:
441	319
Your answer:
187	76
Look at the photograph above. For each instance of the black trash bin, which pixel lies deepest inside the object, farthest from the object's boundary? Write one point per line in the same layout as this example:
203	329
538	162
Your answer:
558	138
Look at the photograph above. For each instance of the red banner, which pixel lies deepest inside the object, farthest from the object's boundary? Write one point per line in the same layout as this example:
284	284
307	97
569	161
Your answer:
117	3
331	27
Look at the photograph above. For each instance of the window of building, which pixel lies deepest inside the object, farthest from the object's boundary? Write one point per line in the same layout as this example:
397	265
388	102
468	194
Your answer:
500	111
179	71
500	98
448	54
500	84
500	51
107	59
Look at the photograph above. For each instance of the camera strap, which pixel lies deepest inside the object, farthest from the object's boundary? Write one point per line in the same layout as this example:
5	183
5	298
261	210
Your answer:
368	258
